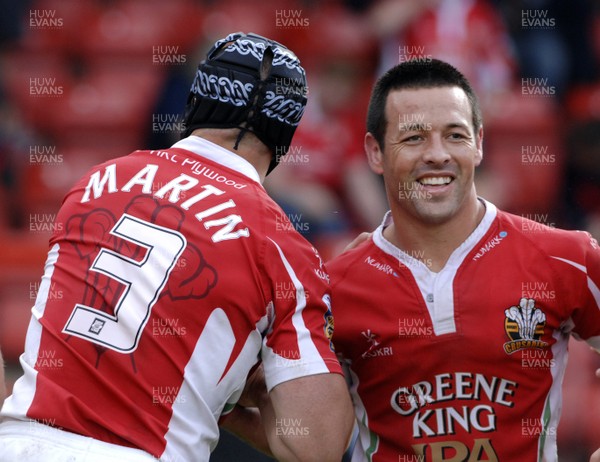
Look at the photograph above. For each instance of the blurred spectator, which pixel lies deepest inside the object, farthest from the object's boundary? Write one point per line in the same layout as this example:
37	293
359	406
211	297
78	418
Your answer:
468	34
324	182
581	196
11	25
165	125
553	39
15	140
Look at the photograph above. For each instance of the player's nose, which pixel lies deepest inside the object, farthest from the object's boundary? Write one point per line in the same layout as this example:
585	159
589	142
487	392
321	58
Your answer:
435	152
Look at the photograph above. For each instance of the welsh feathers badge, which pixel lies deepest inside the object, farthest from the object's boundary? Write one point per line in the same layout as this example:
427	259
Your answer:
524	325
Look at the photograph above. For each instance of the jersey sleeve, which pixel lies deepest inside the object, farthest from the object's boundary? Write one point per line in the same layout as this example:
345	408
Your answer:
586	316
298	340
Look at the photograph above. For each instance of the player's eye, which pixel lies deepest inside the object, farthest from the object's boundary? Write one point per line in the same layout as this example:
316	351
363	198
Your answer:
457	136
412	139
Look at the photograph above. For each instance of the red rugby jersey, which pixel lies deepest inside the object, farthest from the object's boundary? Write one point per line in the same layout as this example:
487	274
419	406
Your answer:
170	274
465	364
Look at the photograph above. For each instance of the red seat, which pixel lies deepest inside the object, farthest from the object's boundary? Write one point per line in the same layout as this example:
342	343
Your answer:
523	152
37	83
583	102
233	16
109	99
57	25
134	27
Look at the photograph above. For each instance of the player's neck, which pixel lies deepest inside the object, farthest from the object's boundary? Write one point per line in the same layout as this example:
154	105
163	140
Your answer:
434	243
249	148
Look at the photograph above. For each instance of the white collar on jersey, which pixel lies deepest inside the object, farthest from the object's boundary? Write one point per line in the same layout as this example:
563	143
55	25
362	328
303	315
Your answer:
458	254
204	148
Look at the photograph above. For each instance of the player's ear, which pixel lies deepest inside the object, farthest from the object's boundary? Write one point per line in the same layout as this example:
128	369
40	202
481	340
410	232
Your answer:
479	146
374	154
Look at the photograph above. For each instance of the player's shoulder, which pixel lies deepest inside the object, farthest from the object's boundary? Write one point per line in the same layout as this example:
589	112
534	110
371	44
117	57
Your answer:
105	170
537	232
121	166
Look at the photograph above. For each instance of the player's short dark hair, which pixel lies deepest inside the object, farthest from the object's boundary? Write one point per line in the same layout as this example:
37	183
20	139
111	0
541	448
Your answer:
414	75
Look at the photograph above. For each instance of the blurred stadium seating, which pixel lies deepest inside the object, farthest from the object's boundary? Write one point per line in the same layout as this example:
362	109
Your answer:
97	59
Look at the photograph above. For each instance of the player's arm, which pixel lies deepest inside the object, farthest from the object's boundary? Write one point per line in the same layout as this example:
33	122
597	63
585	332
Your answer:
587	319
307	414
304	419
2	382
308	419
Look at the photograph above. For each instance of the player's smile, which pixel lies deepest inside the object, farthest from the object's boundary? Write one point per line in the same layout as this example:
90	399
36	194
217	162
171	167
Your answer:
435	184
436	189
435	180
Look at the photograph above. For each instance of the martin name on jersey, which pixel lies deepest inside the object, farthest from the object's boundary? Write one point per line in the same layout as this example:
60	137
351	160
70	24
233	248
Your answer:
465	364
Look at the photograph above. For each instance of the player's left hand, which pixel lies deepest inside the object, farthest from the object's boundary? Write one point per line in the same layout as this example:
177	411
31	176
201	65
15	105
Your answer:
362	237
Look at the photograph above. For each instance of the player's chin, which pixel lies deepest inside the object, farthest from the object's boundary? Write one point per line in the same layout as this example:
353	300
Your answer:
436	211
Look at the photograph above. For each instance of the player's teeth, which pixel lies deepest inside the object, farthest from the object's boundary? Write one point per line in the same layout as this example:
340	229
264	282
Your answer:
435	180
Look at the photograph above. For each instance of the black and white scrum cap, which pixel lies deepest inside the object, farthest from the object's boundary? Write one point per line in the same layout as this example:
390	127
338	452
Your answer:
252	83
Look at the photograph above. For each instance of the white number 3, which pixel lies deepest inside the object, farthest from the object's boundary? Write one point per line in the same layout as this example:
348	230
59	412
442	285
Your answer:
143	282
